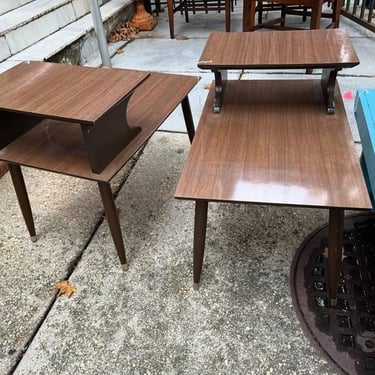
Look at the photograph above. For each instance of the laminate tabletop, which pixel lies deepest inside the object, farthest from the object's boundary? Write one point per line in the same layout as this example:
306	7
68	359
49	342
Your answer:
65	92
272	144
59	146
324	48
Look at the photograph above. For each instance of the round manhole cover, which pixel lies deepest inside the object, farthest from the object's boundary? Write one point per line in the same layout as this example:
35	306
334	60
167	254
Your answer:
345	334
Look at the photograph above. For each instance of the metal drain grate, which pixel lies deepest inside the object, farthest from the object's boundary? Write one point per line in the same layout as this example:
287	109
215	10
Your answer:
345	334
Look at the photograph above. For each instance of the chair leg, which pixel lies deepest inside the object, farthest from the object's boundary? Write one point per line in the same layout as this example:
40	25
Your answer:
336	11
188	117
171	18
200	225
113	221
186	10
157	8
283	14
23	199
227	15
147	5
316	13
304	16
248	19
260	12
193	5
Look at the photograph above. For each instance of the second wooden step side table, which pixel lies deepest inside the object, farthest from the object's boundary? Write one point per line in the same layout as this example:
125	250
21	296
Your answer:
273	142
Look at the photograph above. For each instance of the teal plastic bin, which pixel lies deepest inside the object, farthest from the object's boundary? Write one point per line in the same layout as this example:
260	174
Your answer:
364	108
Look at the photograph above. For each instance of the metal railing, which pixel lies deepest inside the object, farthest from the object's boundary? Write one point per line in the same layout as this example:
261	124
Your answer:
361	12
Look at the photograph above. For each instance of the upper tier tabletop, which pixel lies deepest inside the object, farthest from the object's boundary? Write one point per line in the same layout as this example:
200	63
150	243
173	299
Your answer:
58	146
325	48
272	144
65	92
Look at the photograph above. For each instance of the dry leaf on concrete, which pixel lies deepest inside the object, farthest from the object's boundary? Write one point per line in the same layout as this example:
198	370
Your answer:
65	288
182	37
124	32
207	86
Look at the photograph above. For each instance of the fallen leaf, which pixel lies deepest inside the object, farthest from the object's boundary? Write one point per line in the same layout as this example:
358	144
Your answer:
65	288
207	86
124	32
120	51
182	37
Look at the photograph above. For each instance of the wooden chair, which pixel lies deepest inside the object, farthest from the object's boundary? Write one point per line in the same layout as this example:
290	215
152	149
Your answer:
311	8
184	6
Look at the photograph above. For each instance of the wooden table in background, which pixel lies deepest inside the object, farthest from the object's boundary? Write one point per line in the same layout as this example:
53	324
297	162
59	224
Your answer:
316	13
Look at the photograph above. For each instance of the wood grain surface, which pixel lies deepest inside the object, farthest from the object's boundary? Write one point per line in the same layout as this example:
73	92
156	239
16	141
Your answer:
272	143
65	92
58	146
279	49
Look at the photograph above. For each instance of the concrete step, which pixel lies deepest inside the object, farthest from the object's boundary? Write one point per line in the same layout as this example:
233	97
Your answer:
8	5
32	22
74	43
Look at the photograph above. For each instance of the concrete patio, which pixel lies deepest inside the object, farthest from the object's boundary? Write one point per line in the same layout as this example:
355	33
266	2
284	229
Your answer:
150	320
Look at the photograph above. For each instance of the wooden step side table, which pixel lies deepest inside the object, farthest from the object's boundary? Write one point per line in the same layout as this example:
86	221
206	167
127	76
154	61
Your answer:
273	144
46	125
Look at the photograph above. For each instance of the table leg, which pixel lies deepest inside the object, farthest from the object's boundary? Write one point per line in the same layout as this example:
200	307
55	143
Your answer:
220	83
316	14
113	221
171	18
227	15
23	199
335	240
200	225
328	83
189	123
336	10
248	15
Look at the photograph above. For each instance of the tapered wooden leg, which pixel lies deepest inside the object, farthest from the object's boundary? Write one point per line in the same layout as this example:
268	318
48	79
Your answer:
113	221
316	14
171	18
200	225
227	15
185	10
336	10
248	15
335	239
189	123
23	199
